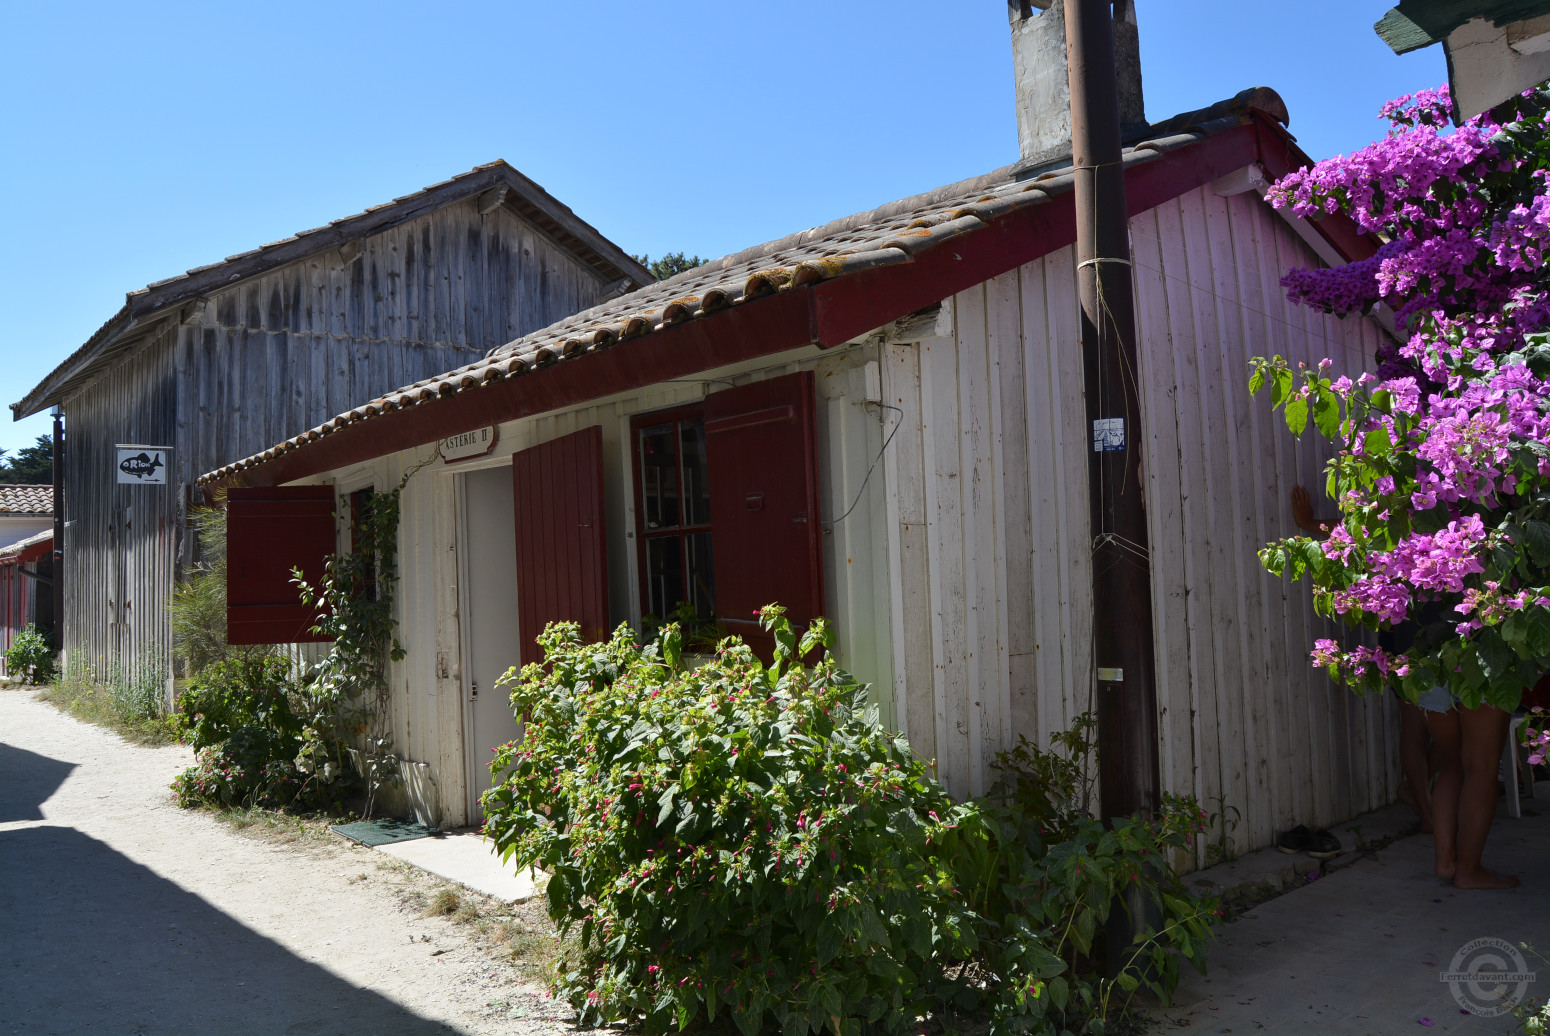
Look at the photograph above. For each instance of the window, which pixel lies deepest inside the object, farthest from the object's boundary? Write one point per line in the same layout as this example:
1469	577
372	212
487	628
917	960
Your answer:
360	513
677	556
728	507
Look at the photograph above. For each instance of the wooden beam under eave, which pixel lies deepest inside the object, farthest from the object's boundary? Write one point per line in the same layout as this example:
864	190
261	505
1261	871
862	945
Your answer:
493	199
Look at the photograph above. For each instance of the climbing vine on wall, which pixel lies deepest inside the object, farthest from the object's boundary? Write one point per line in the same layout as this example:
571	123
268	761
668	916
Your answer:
346	694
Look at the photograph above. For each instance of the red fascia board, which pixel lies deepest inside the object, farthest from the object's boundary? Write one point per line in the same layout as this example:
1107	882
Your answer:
851	306
1279	155
828	314
35	552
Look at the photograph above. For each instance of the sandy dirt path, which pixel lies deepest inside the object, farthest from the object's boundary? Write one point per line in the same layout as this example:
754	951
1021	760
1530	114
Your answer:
121	913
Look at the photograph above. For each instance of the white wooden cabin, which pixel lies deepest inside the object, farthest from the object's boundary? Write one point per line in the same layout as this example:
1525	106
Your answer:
949	470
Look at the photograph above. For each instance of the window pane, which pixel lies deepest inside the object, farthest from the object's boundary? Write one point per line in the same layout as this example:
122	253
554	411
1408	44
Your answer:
691	436
702	574
664	575
659	477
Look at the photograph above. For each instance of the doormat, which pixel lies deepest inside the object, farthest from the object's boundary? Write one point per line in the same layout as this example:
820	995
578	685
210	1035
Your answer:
382	832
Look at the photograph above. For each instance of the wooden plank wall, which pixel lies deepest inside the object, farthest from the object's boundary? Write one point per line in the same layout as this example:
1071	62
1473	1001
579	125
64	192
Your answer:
120	540
286	351
428	691
274	356
989	526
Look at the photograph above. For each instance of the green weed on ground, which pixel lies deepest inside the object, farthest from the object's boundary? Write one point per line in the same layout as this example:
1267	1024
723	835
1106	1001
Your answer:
272	825
131	706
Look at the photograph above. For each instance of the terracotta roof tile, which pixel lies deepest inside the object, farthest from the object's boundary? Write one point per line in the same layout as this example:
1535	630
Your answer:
26	499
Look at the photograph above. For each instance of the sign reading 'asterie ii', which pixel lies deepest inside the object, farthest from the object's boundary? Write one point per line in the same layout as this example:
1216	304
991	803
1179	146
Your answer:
468	444
142	465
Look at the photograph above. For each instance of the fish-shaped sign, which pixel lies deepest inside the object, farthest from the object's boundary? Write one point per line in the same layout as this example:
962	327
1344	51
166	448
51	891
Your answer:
142	465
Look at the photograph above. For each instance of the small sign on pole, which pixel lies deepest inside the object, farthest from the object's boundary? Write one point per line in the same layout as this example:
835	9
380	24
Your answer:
142	465
466	445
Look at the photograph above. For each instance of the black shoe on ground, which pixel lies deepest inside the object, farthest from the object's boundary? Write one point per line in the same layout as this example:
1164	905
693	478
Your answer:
1298	840
1324	845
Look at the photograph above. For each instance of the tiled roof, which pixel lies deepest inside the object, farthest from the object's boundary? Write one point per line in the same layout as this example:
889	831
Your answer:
26	499
149	303
890	235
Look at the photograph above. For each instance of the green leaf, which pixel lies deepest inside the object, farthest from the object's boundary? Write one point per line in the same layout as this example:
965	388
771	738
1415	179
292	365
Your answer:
1537	535
1297	415
1326	412
665	802
1281	386
1256	381
831	936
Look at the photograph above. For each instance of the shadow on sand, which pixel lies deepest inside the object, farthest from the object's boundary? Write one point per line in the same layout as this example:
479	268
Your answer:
92	942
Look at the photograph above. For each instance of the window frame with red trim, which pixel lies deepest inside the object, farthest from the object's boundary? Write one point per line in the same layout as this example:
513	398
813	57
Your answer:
682	531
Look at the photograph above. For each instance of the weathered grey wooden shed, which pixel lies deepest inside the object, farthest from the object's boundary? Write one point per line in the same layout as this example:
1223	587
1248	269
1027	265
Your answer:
220	362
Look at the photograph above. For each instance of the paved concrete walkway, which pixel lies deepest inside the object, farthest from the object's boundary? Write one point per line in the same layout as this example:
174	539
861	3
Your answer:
1361	950
466	858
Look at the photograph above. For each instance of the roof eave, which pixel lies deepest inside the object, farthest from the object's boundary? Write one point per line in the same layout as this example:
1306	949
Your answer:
162	296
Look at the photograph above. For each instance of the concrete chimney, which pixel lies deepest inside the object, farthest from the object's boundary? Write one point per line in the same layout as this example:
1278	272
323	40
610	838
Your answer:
1043	90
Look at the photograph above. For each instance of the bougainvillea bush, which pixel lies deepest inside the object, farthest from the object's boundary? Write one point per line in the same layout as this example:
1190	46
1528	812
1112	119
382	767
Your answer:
1441	469
745	842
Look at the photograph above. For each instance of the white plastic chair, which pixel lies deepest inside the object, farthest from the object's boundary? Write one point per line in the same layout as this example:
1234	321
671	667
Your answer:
1514	765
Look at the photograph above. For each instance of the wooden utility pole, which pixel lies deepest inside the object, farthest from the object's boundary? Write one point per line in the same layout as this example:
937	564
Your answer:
57	558
1121	560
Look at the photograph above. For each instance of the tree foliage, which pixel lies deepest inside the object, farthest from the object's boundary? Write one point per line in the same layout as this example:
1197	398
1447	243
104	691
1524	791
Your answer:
1441	468
670	265
29	466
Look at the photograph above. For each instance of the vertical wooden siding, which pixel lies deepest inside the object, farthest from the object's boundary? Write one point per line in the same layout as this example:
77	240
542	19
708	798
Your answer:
271	357
288	350
120	540
990	539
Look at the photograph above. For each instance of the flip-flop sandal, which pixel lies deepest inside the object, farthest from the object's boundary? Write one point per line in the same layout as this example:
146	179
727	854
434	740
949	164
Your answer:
1323	845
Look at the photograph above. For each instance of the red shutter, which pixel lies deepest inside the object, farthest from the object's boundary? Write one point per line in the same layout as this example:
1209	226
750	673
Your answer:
562	549
762	453
269	532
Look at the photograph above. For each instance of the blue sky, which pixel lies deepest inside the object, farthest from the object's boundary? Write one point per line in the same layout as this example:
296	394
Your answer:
141	140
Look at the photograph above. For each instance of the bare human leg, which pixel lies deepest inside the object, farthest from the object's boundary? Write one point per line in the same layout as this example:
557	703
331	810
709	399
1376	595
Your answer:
1483	732
1446	759
1416	790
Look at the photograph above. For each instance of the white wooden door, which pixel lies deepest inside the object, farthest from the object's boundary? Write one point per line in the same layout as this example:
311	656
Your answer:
489	581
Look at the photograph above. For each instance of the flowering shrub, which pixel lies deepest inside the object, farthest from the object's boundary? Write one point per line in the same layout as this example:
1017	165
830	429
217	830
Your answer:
733	840
30	656
1442	467
239	716
748	841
